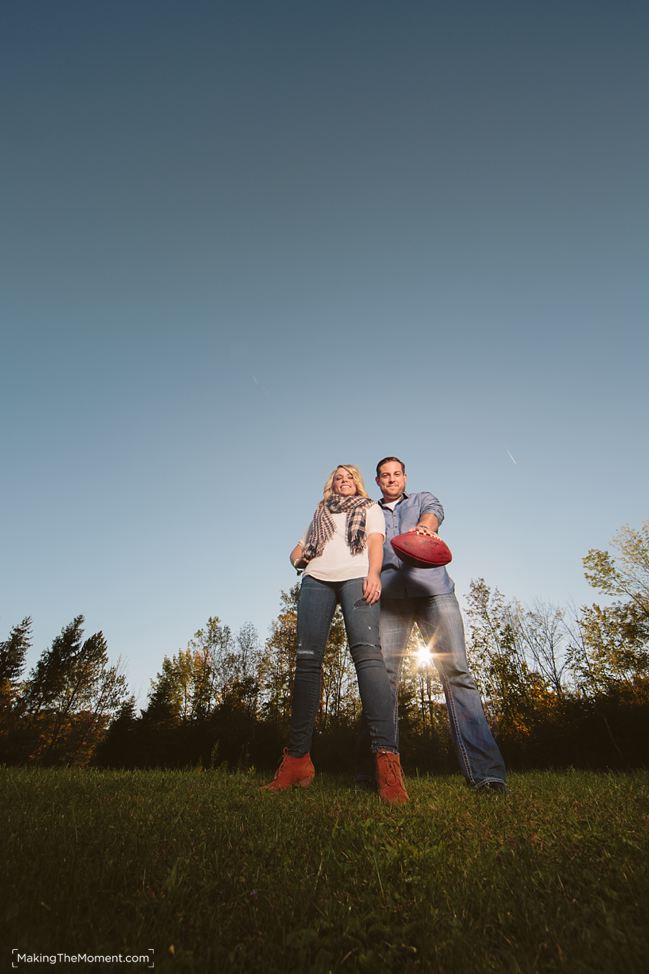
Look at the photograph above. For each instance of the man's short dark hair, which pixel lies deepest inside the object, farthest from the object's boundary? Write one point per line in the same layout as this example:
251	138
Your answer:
389	460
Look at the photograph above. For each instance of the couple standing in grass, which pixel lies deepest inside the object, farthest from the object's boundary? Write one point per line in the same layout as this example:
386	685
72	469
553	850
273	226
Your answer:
348	560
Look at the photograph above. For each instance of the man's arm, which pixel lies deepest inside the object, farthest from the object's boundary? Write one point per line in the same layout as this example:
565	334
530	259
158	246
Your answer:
431	514
427	524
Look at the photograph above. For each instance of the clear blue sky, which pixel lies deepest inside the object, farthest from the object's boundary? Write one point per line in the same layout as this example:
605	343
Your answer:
244	242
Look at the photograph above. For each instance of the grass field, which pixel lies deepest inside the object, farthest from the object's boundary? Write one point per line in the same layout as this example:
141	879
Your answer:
215	876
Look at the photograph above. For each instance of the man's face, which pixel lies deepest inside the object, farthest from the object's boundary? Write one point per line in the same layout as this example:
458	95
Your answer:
391	481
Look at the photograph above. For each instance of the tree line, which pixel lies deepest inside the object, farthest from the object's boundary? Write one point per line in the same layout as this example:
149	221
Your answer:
561	687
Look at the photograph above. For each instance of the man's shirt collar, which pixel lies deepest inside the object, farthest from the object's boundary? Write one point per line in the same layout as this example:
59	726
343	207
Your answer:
383	501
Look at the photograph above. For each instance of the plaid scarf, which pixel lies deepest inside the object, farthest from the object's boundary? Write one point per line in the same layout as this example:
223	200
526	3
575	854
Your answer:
321	528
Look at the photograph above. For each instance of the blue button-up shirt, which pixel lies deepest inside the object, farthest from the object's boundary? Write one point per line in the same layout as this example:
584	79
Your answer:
401	581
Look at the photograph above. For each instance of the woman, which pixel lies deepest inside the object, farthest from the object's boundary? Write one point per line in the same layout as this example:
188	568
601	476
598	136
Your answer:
341	554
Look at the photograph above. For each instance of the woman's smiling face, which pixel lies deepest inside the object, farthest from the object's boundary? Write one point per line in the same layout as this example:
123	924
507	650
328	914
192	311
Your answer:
343	483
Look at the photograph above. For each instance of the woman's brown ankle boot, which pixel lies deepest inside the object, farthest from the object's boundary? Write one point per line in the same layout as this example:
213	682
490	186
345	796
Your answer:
292	772
389	778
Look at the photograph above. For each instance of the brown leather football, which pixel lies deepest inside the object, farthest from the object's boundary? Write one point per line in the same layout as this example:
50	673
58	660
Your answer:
422	550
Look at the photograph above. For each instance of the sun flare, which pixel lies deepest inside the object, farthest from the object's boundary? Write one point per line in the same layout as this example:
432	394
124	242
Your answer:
423	655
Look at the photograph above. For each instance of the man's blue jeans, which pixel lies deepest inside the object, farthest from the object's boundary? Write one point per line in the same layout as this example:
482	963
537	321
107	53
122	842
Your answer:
316	607
440	623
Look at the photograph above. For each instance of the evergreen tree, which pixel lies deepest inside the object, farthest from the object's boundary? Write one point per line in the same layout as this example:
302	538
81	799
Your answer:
70	696
53	672
12	662
119	748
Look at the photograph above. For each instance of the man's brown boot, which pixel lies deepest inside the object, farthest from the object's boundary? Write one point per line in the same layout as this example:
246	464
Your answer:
389	778
292	772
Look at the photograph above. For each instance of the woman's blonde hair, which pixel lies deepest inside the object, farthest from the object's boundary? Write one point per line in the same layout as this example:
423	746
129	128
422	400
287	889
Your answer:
356	475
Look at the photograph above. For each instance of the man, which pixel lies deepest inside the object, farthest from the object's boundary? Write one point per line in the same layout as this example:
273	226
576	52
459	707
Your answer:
426	596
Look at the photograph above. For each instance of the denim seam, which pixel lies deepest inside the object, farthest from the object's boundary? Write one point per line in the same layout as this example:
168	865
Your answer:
450	706
485	781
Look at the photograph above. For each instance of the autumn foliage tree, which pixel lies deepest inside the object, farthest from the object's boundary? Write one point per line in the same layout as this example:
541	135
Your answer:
278	664
559	686
616	636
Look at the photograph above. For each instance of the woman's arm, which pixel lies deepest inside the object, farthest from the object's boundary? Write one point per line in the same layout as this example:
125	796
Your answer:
372	584
296	556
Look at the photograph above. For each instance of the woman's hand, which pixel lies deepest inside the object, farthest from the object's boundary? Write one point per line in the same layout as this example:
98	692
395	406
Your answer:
372	588
297	561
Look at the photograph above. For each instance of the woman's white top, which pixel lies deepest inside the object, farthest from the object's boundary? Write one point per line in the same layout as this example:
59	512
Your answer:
337	563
